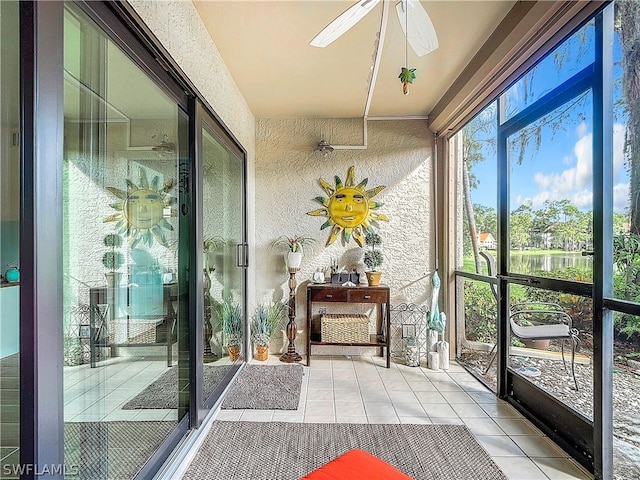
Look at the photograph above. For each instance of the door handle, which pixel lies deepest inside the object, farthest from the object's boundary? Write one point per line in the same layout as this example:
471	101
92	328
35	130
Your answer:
588	253
367	296
328	296
242	255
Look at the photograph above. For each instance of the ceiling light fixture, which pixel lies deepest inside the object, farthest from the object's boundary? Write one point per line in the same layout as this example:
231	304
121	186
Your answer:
323	150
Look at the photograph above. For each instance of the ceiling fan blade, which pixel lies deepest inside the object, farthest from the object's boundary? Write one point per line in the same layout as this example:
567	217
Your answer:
343	22
421	34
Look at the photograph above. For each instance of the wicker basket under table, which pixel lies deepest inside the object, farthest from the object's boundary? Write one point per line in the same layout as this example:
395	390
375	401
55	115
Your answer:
344	328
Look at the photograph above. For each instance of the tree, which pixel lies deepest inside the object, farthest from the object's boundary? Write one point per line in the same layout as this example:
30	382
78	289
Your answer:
628	25
478	132
486	219
521	222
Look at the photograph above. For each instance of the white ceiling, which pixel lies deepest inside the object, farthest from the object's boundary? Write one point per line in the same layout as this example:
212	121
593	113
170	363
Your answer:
265	44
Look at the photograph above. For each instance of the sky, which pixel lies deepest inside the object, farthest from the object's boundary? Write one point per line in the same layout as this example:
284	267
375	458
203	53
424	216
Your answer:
561	168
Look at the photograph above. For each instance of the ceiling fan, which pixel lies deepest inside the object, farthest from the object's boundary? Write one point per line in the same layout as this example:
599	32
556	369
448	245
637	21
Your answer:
414	20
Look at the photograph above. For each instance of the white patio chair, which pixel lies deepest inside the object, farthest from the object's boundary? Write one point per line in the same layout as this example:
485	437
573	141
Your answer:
538	321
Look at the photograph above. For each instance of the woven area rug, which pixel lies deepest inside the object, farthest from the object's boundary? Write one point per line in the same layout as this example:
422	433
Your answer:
163	393
283	451
111	450
266	387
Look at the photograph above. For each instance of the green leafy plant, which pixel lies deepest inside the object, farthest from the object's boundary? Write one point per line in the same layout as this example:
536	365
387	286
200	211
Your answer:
407	76
266	321
230	315
294	244
113	260
373	258
213	244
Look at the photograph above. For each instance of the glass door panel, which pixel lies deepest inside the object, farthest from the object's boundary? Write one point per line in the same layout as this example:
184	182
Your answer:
550	245
123	324
551	199
223	233
551	363
9	240
626	391
625	232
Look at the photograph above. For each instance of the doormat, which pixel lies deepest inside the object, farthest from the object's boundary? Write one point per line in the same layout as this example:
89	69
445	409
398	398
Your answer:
263	387
266	387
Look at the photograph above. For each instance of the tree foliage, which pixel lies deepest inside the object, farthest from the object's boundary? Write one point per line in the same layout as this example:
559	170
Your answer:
628	26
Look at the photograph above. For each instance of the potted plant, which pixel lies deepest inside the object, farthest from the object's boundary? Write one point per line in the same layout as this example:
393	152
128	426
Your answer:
112	259
296	246
231	316
265	323
373	258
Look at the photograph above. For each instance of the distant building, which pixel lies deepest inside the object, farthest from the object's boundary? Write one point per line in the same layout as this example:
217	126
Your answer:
486	240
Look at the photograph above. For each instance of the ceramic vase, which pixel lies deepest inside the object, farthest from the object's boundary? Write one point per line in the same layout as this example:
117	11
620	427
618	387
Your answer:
294	259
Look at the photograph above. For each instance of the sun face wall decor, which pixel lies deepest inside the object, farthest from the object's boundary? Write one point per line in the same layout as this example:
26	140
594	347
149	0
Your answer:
350	208
141	210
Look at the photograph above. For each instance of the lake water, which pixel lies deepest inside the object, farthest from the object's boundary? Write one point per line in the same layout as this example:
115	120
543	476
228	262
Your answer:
528	264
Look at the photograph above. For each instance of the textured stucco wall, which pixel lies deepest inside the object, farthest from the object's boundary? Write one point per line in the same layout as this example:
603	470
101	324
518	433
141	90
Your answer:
399	155
178	27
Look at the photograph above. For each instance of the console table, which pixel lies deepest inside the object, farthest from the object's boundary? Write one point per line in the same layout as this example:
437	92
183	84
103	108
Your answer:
335	293
110	297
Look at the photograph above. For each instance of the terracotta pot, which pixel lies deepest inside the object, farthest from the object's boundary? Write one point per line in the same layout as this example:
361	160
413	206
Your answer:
234	352
262	353
373	278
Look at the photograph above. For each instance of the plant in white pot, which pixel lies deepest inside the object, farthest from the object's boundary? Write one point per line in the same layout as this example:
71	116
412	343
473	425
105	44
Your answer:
373	258
296	246
265	323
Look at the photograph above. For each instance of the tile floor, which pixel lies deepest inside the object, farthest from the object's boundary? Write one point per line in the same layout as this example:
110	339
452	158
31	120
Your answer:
359	389
363	392
98	394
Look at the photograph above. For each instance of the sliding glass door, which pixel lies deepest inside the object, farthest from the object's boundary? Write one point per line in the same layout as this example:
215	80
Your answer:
124	267
224	256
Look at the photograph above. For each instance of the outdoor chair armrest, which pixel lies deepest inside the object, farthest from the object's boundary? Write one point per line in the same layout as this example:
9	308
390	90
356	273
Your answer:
535	305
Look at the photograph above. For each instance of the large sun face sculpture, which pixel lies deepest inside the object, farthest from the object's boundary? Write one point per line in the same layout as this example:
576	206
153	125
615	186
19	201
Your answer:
349	208
141	210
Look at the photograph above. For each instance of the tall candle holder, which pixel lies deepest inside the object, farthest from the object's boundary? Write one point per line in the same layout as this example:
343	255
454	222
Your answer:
292	329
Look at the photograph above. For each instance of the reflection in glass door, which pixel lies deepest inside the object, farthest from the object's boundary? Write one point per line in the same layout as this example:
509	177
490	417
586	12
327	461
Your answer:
123	322
224	260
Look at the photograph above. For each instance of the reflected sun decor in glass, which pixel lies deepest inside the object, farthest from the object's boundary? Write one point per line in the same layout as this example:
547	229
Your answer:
141	210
